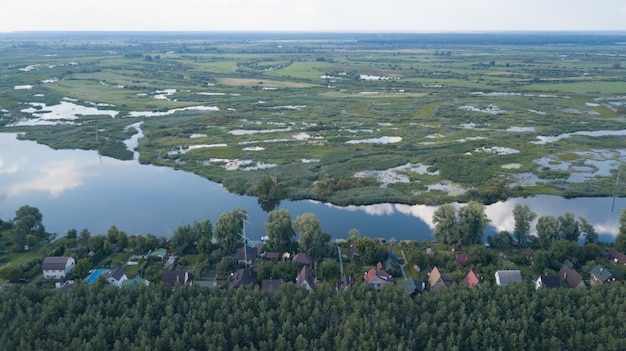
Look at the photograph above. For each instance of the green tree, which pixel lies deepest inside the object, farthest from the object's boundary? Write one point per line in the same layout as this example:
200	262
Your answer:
353	234
588	231
112	234
27	221
370	250
280	231
122	240
547	230
312	239
203	229
229	228
522	216
32	219
471	223
568	227
84	236
184	236
10	272
500	240
72	234
620	241
81	269
445	222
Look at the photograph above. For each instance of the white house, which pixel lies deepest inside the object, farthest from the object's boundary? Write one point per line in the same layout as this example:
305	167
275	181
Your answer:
57	267
115	277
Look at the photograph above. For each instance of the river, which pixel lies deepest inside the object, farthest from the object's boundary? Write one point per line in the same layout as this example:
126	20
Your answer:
78	189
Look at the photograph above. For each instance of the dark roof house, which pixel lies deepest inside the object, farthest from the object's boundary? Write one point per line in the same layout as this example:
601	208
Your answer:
413	287
303	258
173	278
548	281
461	259
242	277
617	257
246	256
572	278
271	285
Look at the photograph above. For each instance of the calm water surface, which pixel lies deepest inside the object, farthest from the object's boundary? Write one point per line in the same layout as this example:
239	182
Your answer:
77	189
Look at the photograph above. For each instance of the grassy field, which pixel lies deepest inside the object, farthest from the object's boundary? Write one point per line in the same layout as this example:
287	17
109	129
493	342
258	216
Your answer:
334	119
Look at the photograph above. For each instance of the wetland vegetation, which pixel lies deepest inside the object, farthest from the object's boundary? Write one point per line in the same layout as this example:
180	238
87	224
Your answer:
347	119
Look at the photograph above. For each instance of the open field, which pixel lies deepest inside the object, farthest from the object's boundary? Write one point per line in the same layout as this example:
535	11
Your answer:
345	120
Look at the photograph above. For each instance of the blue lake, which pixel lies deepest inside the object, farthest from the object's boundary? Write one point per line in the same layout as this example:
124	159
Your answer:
77	189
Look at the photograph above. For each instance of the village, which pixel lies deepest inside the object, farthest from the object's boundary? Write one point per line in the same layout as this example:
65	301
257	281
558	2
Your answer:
391	270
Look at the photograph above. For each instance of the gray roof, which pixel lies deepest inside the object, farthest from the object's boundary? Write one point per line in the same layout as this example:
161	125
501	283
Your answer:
506	277
412	286
54	263
116	274
601	273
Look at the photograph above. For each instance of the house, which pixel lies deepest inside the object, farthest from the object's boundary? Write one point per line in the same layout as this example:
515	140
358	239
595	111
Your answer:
242	277
437	281
303	258
548	282
136	282
413	287
461	259
617	257
376	278
173	278
57	267
272	256
390	263
115	277
305	279
160	253
472	280
508	276
271	285
65	287
246	254
600	275
571	278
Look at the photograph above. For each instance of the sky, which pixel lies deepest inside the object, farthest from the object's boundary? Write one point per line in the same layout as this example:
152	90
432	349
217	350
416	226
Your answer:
313	15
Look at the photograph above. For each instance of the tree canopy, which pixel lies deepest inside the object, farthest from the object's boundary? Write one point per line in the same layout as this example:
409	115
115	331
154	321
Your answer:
229	229
280	232
523	216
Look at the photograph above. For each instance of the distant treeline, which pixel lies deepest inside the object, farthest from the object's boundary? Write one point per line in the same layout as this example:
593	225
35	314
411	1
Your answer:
491	38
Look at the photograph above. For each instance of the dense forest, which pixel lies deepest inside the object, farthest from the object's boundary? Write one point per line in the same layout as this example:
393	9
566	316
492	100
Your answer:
516	317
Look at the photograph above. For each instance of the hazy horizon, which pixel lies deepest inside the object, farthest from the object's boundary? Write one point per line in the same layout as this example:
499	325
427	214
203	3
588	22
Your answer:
347	16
